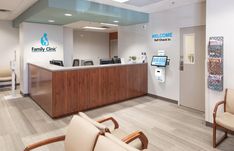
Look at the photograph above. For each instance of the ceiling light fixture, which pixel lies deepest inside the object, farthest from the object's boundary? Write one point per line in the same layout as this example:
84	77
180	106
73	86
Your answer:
51	21
121	1
67	14
108	24
95	28
116	21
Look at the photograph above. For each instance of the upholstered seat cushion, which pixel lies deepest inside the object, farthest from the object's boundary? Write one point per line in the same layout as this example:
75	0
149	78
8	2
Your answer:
5	79
80	135
226	120
116	132
111	143
230	101
95	123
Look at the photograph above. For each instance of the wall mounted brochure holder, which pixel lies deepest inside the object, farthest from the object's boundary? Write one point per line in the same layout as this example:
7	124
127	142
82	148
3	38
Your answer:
215	63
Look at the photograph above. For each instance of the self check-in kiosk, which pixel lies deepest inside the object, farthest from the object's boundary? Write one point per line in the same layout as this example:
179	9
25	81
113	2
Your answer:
160	61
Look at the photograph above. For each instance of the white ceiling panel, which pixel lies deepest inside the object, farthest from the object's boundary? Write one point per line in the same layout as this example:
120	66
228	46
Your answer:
142	3
16	7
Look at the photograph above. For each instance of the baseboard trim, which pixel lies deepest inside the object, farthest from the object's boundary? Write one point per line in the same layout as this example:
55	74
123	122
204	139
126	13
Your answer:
24	95
163	98
208	124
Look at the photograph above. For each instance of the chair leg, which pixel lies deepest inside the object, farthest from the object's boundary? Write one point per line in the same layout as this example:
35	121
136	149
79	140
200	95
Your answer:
214	135
215	144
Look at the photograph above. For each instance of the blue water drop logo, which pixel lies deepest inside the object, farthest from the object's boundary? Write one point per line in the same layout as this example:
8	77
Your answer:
44	40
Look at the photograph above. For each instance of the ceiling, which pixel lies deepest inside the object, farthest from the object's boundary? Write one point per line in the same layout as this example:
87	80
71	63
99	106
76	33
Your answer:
80	24
149	6
81	10
15	7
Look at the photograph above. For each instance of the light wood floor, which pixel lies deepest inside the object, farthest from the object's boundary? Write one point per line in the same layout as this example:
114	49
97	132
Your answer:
168	127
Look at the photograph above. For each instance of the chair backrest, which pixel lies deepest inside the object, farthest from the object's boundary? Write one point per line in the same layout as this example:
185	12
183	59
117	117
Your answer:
229	97
81	135
95	123
5	72
88	63
111	143
76	62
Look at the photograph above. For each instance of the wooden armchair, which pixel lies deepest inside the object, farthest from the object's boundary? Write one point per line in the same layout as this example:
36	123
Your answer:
137	139
80	135
224	121
5	76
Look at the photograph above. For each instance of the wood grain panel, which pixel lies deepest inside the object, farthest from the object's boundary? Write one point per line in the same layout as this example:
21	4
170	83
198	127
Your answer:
82	89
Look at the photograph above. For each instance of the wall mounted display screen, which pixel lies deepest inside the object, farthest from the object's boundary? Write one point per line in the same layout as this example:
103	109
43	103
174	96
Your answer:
160	61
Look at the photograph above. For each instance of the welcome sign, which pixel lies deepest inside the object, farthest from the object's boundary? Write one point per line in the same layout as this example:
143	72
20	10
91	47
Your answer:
162	36
44	45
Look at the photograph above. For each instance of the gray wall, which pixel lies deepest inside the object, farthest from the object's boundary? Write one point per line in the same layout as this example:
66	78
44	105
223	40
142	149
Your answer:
91	45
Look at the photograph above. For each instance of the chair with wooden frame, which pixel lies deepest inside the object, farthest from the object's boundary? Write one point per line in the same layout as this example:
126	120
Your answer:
81	135
224	121
137	139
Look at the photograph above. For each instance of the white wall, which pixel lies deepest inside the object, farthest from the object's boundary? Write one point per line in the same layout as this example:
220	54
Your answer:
135	39
68	46
30	35
220	22
91	45
9	42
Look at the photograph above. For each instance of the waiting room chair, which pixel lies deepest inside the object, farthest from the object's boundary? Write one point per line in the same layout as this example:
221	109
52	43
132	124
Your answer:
80	136
5	75
224	121
88	63
138	141
76	62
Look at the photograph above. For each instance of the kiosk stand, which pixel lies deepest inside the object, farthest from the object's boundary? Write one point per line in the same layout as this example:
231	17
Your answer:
160	61
13	81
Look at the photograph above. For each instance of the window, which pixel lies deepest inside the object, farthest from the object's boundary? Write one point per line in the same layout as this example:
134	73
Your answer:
189	48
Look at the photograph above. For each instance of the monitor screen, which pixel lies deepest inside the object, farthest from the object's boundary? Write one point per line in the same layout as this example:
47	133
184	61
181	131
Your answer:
160	61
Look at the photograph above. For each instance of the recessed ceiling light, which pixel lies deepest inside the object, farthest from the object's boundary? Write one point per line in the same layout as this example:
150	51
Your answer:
51	21
107	24
67	14
95	28
121	1
116	21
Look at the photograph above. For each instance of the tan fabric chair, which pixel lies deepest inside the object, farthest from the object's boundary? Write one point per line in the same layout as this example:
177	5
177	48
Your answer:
224	121
140	141
109	142
80	136
5	75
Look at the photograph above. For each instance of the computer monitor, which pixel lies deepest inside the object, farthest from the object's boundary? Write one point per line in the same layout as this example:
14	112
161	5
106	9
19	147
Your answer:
159	61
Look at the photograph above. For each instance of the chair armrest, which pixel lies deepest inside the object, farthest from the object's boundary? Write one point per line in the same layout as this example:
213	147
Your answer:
45	142
216	108
116	124
137	135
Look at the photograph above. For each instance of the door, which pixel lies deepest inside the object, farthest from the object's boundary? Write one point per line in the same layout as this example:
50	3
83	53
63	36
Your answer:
192	67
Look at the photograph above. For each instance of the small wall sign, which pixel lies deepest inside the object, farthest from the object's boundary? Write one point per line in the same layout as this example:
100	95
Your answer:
162	36
44	45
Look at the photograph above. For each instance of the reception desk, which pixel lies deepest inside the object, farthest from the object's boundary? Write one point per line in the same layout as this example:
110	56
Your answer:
61	91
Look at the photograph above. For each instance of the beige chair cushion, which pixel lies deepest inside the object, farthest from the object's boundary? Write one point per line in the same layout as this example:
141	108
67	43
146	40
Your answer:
226	120
121	134
5	73
80	135
5	79
104	144
95	123
111	143
230	101
117	132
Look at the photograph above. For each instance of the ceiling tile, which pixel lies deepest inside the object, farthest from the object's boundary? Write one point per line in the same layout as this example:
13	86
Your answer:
142	3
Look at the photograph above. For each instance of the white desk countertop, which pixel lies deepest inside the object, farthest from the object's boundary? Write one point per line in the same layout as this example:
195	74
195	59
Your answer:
60	68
